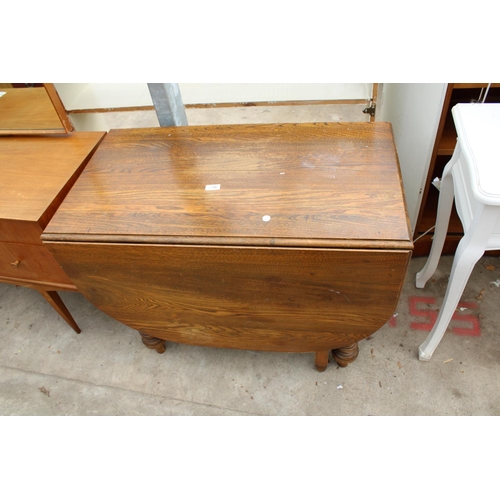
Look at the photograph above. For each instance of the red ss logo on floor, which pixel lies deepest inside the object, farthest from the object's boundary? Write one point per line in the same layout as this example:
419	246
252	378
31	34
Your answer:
462	322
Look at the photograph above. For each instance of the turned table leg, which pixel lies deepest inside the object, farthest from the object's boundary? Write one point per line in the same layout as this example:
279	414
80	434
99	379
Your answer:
345	355
321	360
153	343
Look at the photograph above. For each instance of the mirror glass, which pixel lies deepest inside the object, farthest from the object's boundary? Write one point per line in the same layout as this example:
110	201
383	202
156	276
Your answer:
31	109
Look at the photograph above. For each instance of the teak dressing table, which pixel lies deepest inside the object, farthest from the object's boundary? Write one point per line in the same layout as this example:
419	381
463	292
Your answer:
36	172
290	237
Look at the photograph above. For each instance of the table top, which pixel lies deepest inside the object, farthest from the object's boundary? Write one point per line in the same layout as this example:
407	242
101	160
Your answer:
321	184
35	170
478	130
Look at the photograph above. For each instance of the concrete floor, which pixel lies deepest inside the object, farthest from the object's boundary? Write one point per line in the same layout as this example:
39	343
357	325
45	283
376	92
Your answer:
47	369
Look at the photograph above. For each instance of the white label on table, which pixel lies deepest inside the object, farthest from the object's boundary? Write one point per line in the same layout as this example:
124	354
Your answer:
212	187
266	218
2	93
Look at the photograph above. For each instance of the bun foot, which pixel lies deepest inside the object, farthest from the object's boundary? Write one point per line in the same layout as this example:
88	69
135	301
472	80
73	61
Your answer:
153	343
345	355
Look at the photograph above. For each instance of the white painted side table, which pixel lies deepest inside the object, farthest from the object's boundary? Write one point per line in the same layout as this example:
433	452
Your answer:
472	177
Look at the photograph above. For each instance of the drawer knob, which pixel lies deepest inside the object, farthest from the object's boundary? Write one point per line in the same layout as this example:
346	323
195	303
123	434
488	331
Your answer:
16	263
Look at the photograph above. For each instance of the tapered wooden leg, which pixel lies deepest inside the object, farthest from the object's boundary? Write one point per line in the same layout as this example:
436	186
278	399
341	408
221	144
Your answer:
153	343
56	302
345	355
321	360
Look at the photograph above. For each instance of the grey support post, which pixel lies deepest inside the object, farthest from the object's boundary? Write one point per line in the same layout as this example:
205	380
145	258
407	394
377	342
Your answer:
168	104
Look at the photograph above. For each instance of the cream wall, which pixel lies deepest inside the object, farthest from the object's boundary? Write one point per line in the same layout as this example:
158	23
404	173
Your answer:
193	93
119	95
414	109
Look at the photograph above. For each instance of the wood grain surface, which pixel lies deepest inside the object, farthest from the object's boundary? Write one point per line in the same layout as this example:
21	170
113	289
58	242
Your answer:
321	185
278	299
144	240
37	172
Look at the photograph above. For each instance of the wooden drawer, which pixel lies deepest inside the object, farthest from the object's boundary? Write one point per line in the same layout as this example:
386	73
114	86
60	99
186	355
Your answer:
30	262
19	231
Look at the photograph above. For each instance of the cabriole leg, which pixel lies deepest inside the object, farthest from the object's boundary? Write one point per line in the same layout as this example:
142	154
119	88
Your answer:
469	251
445	205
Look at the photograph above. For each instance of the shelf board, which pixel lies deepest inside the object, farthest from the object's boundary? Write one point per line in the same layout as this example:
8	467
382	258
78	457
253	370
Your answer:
429	216
448	138
473	85
443	150
422	247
